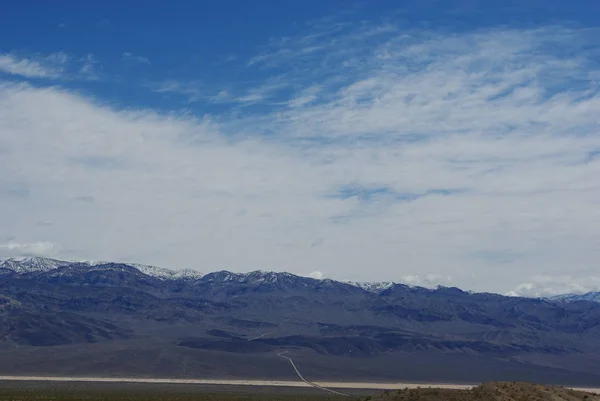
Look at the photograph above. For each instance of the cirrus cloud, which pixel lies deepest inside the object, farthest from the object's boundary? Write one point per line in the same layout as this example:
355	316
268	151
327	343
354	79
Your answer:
50	66
405	156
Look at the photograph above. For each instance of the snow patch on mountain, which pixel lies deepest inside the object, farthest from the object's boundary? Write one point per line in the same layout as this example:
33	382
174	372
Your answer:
374	287
31	264
167	274
590	296
257	276
23	265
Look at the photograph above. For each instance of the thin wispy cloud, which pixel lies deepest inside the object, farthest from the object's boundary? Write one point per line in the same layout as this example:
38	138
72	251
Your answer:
54	66
28	249
90	68
260	93
306	96
196	91
406	155
290	50
50	66
129	57
192	90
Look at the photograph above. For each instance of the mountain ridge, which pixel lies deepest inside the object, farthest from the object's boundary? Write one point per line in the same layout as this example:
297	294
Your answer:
31	264
97	317
592	296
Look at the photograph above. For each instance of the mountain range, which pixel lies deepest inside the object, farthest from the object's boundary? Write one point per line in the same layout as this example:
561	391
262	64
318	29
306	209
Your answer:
111	319
589	296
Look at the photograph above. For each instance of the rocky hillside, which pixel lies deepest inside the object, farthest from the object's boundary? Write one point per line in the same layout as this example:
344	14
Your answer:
67	307
491	392
590	297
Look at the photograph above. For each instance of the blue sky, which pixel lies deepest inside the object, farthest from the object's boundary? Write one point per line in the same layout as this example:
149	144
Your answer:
429	142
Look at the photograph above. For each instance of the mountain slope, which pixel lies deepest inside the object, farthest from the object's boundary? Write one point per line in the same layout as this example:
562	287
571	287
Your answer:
25	265
590	296
31	264
251	317
375	287
492	392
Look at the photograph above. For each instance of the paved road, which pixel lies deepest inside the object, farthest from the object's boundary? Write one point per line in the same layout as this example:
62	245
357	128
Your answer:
282	354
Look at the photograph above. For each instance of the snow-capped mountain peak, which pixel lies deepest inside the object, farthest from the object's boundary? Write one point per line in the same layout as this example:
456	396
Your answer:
257	276
24	265
31	264
167	274
374	287
590	296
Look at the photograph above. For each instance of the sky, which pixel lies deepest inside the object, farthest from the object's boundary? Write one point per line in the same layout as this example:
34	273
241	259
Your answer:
451	142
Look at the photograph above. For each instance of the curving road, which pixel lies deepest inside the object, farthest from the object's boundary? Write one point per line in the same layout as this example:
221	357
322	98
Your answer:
315	385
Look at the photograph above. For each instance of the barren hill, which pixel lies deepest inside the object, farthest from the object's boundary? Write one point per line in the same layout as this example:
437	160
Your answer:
499	391
110	319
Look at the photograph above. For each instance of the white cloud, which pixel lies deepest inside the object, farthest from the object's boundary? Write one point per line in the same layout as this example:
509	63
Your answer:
191	89
196	91
260	93
427	280
54	66
89	68
305	97
127	56
470	156
544	286
317	275
48	67
28	249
